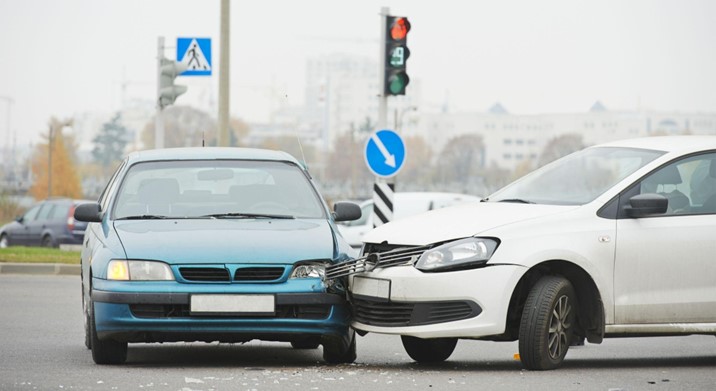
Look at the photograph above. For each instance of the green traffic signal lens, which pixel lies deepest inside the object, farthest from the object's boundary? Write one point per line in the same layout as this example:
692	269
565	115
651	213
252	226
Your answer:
397	83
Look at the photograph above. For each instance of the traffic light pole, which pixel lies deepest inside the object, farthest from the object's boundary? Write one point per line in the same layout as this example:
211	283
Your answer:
224	79
383	188
158	120
383	98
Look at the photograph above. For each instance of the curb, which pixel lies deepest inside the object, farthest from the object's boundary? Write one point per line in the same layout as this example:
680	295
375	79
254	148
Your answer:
40	268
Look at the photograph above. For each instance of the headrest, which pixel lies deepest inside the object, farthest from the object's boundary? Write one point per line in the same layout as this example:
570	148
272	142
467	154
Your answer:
668	175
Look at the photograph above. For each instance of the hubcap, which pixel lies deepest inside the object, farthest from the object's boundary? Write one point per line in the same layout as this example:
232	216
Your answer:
558	327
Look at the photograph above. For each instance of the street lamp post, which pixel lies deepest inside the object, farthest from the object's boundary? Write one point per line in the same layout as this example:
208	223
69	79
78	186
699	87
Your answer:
49	164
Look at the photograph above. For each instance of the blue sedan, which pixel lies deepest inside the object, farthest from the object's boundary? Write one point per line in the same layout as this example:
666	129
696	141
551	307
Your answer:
213	244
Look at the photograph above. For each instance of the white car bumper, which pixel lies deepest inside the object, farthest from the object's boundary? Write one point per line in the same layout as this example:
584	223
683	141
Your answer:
405	301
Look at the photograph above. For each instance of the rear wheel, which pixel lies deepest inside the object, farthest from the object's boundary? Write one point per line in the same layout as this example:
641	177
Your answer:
429	350
340	350
547	323
47	241
105	351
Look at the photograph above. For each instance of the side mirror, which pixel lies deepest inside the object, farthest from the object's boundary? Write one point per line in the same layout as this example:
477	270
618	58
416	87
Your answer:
90	213
346	211
20	219
643	205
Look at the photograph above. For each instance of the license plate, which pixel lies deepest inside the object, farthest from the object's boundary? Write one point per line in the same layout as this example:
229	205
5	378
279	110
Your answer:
233	304
372	287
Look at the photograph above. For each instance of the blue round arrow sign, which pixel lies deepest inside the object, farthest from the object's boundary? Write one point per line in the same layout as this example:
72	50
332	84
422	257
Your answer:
385	153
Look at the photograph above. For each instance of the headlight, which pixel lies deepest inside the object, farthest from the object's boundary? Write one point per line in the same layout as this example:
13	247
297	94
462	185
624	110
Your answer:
309	270
458	254
126	270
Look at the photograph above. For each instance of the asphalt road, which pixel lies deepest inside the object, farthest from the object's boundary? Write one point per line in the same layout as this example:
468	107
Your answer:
41	348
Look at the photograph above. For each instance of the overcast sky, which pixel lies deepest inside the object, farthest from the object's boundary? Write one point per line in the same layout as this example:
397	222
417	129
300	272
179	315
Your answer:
64	57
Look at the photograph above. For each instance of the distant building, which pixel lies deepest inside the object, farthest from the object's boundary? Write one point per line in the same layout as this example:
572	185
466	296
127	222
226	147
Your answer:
511	139
342	95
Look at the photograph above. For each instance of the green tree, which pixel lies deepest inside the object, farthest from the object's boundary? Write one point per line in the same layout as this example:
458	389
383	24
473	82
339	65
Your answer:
110	143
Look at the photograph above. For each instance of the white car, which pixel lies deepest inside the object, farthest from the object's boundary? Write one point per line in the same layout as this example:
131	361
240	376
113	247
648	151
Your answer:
405	205
617	240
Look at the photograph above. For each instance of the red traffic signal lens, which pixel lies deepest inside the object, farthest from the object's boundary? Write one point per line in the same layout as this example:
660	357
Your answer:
399	29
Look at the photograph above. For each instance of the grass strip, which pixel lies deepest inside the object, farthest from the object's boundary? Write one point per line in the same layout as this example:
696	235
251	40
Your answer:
22	254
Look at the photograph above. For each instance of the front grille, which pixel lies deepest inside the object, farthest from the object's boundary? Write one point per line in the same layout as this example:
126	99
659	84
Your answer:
158	311
215	274
258	273
401	256
396	314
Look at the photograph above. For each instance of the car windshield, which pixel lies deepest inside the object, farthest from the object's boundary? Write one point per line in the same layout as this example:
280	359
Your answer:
578	178
216	189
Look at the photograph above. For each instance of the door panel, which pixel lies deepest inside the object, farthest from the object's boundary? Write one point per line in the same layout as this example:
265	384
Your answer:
665	266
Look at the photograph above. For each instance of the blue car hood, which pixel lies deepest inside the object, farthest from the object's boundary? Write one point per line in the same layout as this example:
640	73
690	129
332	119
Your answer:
226	240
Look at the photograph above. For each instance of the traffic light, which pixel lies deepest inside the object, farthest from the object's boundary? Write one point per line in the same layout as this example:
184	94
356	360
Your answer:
396	54
168	91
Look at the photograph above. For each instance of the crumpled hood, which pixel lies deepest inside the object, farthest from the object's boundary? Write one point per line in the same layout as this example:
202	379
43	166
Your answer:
458	222
226	240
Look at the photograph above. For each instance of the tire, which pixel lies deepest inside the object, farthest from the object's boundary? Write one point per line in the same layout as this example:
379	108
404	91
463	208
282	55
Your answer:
306	343
340	350
547	323
4	243
86	312
105	352
429	350
47	241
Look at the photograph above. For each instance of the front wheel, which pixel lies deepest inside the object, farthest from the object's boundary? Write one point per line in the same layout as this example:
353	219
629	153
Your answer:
547	323
3	241
105	351
429	350
340	350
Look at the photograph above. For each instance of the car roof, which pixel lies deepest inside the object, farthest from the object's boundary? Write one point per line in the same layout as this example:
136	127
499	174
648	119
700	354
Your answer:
217	153
667	143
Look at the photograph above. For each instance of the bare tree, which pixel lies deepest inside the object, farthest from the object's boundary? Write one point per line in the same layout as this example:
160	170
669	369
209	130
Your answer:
560	146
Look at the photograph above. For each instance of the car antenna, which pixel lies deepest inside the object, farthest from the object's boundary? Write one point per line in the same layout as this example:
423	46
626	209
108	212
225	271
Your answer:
303	156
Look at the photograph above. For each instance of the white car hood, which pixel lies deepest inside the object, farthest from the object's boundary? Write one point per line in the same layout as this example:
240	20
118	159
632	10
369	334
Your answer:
458	222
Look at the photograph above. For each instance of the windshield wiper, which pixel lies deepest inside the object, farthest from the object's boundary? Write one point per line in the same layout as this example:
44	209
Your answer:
234	215
516	200
144	217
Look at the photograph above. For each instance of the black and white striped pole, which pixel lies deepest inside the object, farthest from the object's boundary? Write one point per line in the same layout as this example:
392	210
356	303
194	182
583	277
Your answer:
383	196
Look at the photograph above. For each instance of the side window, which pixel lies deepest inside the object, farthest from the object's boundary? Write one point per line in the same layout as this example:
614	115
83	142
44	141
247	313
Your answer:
104	197
60	212
689	185
31	214
45	211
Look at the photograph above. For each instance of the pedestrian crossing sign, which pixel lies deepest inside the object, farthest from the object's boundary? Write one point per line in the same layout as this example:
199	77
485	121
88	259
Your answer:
196	54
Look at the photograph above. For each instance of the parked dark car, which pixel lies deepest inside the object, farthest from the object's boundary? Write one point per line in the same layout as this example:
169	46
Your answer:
48	224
